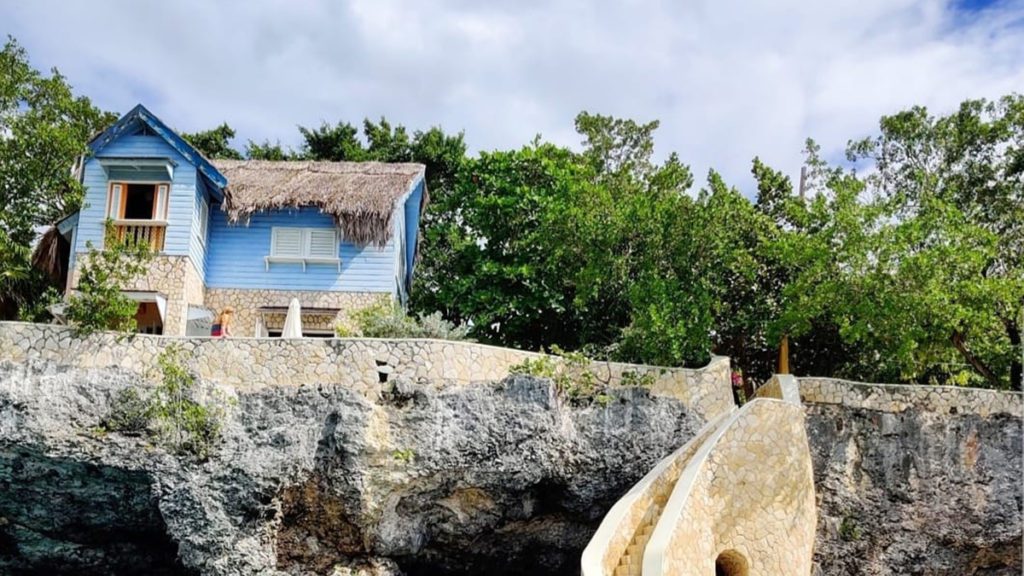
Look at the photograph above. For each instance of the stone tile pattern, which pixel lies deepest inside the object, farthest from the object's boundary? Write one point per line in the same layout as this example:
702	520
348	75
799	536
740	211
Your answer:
173	276
247	302
617	546
781	387
897	397
748	490
360	363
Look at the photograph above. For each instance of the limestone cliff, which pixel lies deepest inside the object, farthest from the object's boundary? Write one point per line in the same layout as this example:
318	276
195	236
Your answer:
498	477
916	491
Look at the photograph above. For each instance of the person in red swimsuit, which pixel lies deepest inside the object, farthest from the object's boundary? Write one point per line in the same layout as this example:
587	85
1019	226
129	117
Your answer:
222	327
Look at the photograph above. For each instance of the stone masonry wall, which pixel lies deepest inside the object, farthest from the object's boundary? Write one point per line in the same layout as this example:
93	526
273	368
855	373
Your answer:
360	363
247	302
898	397
173	276
747	495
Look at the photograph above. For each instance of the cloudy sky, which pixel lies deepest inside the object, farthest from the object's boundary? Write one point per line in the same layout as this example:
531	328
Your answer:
727	79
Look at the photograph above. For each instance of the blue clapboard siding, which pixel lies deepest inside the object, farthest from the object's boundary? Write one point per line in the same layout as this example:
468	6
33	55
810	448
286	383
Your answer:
412	226
197	243
235	258
181	201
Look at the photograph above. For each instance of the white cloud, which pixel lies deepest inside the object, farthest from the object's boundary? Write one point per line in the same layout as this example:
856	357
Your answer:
728	79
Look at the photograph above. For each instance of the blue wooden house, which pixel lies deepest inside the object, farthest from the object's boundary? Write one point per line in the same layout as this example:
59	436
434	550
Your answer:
247	234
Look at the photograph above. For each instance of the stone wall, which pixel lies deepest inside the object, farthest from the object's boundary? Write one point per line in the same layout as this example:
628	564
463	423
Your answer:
247	303
175	277
746	500
916	479
360	363
897	397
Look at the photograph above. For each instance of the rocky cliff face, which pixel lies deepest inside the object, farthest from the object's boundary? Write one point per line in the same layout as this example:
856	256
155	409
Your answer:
489	478
916	492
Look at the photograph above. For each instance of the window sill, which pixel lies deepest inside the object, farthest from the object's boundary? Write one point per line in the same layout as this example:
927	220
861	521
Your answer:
267	260
139	222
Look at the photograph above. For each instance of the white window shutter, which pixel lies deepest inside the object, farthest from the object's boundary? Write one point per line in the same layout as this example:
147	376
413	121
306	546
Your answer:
286	242
114	207
161	202
322	243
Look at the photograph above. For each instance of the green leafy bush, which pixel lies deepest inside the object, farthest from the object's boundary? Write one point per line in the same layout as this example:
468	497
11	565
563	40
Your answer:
131	414
99	303
38	310
171	412
570	371
849	530
389	320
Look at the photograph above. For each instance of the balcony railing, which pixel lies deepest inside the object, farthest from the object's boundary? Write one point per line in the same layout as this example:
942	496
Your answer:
150	232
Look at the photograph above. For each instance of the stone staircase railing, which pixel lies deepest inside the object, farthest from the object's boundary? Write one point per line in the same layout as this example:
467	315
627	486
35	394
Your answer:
618	544
738	499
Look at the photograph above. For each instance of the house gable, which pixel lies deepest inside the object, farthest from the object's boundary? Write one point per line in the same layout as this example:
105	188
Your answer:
140	150
140	121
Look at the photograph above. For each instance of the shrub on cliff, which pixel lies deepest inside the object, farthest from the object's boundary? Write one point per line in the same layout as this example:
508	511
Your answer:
171	412
99	303
388	320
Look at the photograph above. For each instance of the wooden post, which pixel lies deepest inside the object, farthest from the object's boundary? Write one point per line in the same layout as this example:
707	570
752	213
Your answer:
803	183
784	355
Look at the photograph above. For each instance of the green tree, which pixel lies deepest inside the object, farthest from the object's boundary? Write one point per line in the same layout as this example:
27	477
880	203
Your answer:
99	303
905	275
335	143
215	143
956	183
497	273
387	143
268	151
45	130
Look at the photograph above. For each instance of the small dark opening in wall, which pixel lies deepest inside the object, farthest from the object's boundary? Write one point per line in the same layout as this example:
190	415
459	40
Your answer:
731	563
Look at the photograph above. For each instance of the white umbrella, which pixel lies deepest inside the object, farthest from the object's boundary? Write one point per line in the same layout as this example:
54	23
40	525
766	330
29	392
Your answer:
293	321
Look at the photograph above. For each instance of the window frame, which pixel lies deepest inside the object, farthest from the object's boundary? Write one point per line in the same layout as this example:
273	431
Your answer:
203	213
161	199
305	256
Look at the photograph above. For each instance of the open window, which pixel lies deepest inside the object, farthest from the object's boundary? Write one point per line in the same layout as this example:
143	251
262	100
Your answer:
139	211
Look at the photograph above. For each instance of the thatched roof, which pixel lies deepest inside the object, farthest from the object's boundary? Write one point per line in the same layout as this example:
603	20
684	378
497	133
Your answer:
50	255
360	196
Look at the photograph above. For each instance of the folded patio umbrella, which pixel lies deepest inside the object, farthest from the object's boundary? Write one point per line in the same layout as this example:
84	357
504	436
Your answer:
293	321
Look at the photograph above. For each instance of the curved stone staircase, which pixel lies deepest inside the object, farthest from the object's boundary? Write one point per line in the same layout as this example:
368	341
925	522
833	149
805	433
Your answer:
737	499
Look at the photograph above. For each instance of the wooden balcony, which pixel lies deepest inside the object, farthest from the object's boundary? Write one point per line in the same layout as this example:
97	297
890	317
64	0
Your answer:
150	232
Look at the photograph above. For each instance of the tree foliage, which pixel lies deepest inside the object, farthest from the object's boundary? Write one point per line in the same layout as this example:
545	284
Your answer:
99	303
214	143
44	129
